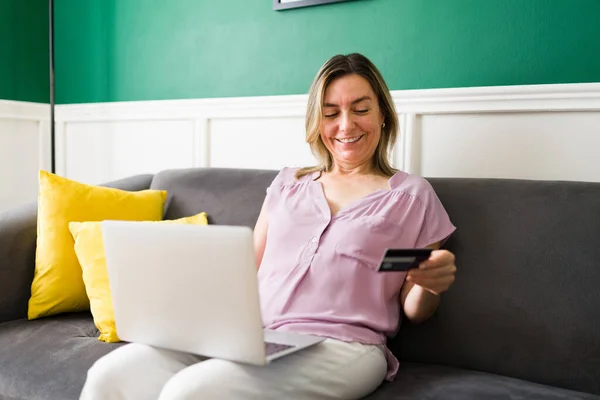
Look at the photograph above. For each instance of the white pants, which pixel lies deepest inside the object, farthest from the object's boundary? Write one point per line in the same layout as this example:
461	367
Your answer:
331	369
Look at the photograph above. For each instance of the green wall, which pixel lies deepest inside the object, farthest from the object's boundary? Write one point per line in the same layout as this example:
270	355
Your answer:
121	50
24	50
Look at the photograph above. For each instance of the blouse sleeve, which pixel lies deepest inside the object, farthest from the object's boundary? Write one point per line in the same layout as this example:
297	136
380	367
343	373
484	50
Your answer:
436	225
285	176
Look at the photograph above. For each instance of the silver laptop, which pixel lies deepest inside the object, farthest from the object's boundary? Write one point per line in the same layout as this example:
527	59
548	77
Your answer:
191	288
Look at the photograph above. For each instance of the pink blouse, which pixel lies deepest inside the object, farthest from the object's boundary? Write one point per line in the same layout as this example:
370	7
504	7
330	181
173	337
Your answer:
318	273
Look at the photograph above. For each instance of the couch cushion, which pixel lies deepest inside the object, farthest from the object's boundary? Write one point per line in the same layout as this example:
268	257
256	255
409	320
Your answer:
57	285
18	235
228	196
420	381
48	358
525	302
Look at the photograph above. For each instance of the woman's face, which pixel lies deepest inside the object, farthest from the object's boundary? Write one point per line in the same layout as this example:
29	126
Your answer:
351	123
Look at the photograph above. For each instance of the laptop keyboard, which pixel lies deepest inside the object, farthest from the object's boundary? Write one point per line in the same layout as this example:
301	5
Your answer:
272	348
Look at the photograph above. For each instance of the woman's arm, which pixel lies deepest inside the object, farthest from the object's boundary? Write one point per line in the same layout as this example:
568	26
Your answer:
260	234
420	294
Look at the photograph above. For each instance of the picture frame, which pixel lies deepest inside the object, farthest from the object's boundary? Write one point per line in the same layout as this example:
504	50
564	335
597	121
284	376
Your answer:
280	5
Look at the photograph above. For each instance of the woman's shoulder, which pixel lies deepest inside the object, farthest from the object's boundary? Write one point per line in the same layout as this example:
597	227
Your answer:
289	176
412	185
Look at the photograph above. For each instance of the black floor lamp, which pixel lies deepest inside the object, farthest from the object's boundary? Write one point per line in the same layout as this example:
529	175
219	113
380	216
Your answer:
52	138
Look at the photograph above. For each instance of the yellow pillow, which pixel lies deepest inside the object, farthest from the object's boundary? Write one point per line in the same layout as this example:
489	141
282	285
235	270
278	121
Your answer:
90	252
57	283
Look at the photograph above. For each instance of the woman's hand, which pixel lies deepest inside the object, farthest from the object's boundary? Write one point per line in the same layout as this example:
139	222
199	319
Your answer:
436	274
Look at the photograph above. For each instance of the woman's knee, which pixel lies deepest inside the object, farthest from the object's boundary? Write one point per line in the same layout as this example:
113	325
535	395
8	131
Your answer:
101	376
111	372
364	375
108	369
206	380
187	387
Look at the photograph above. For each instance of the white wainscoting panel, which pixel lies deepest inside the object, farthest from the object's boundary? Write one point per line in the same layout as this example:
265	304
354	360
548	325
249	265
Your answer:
24	150
528	132
102	151
505	145
261	143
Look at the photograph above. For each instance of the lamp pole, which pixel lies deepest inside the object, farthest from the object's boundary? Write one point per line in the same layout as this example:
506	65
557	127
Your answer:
52	138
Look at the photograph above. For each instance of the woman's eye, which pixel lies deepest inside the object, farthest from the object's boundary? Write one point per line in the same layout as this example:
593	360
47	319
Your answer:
361	111
330	115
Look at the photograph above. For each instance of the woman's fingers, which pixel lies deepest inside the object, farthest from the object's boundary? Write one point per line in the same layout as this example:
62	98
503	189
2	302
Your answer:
429	272
438	258
435	274
435	281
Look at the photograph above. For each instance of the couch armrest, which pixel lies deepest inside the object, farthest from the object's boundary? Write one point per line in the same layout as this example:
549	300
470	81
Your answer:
18	235
17	260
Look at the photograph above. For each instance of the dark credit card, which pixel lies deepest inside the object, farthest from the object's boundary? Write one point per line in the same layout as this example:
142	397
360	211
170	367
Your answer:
403	259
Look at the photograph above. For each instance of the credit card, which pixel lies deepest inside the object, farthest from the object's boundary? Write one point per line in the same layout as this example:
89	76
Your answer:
403	259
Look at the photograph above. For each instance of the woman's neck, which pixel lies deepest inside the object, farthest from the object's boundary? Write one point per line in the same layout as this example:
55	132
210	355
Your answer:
351	170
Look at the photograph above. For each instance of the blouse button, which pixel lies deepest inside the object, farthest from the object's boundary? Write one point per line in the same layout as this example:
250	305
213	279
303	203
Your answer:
314	240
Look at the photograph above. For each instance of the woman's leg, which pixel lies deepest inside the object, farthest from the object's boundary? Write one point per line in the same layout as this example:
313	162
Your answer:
329	370
134	371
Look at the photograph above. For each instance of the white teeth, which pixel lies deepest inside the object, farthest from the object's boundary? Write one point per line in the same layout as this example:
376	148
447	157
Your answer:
349	140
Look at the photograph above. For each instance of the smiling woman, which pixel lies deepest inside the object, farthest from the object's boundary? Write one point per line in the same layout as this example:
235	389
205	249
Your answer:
350	114
320	236
352	121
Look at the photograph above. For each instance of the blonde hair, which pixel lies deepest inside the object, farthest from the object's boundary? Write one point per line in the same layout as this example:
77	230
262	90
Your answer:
337	67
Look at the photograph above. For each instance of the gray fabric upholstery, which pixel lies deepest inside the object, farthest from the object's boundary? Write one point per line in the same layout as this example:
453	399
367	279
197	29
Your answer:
434	382
17	260
17	250
525	303
228	196
132	183
520	322
47	359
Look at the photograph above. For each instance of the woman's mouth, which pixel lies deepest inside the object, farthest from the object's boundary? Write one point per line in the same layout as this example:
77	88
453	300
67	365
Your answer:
353	139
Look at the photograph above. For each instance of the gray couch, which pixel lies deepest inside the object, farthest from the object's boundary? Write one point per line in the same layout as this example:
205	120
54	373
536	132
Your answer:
522	320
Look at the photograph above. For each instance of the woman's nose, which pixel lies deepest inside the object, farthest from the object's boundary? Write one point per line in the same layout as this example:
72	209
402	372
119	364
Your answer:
346	122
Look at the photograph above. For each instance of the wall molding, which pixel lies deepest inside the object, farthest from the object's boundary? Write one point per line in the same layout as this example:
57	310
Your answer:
23	110
212	123
235	107
554	97
92	141
527	98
